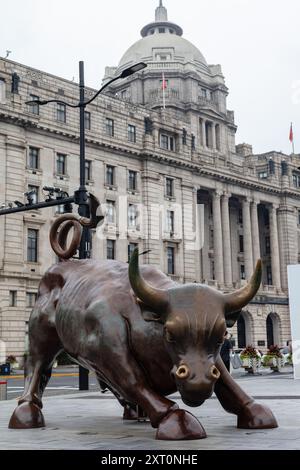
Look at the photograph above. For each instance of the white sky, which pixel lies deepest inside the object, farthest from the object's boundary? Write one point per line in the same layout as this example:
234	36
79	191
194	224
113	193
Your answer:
257	42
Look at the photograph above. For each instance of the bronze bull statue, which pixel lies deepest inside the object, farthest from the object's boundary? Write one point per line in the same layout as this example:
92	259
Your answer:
144	336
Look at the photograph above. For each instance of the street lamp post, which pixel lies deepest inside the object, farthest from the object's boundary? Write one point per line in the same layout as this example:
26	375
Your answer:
80	197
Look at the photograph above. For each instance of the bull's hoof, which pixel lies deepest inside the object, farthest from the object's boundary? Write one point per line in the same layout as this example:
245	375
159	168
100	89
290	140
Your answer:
180	425
256	416
27	416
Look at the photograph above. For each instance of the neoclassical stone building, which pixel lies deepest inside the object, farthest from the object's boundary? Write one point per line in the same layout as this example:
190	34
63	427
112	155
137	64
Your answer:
162	158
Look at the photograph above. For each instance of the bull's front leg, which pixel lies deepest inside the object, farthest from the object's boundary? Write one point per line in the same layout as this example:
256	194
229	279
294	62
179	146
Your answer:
250	414
118	367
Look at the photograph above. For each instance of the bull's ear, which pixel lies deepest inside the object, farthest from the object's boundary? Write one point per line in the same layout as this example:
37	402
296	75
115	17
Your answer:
152	316
149	315
231	318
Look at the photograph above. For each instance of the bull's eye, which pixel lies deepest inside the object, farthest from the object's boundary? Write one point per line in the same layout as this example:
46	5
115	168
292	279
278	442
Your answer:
169	337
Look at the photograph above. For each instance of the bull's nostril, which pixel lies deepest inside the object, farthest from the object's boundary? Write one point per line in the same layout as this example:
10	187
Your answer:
215	372
182	372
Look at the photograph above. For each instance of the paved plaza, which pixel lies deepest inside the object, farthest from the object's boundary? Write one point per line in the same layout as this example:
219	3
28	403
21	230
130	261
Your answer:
91	420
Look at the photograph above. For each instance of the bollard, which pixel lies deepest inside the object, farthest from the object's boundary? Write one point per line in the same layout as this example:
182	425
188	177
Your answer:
3	390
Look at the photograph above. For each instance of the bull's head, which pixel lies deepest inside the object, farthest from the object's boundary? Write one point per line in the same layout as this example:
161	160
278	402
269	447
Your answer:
195	318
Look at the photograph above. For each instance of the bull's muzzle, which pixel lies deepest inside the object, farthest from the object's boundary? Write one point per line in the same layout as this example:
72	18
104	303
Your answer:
182	372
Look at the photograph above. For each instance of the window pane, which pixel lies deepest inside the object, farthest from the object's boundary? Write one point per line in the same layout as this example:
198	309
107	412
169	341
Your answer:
88	168
169	187
132	176
12	298
109	127
170	254
131	248
110	212
33	158
61	164
110	249
110	175
87	120
34	108
32	245
132	215
131	133
61	112
34	197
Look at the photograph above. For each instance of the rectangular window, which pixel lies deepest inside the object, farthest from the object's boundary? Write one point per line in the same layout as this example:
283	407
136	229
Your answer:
167	142
268	245
110	212
131	133
296	180
12	298
169	187
263	175
33	158
171	260
184	137
132	180
242	271
131	248
87	120
109	127
241	243
61	164
30	299
269	275
110	175
170	221
132	216
32	245
61	113
2	91
34	108
204	93
110	249
240	216
88	170
193	143
298	217
33	196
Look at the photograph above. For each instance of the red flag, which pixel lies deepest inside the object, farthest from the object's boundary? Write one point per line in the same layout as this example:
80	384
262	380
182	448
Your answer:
164	82
291	133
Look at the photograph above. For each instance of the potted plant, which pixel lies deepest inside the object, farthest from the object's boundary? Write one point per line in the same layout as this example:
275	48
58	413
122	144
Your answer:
250	358
273	359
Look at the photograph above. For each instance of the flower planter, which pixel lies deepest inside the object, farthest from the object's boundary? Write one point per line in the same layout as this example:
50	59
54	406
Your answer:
275	363
251	364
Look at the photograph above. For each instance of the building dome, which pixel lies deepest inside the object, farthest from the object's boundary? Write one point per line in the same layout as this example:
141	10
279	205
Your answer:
162	41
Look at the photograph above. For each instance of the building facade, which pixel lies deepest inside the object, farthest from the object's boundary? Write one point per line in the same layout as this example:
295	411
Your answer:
163	161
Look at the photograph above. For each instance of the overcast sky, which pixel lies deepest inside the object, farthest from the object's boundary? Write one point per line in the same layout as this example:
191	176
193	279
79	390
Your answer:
257	42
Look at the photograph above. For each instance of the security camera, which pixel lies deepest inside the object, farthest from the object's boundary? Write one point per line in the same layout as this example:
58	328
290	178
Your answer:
29	195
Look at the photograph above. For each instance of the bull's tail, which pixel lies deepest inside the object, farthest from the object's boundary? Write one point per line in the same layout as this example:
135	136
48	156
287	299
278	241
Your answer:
58	238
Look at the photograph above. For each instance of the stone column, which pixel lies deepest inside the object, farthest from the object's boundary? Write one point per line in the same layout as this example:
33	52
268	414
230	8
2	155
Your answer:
226	239
203	130
275	261
248	253
255	232
218	244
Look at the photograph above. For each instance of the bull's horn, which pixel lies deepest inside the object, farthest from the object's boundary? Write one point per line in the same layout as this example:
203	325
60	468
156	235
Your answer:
237	300
156	299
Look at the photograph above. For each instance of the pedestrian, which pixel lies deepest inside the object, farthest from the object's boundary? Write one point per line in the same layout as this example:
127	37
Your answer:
226	351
